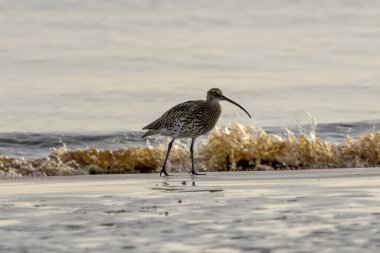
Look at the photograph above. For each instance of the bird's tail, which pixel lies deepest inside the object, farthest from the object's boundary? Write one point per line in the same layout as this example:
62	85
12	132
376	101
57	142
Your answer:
149	133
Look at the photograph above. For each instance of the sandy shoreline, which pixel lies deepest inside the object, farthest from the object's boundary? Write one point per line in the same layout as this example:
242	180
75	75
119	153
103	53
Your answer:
286	211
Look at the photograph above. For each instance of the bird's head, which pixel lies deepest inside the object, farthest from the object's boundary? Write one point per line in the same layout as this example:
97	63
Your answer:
215	94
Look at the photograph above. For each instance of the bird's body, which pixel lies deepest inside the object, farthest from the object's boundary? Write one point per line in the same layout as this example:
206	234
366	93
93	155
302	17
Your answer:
189	120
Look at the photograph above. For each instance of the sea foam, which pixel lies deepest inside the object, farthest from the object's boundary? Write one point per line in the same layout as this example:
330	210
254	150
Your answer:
232	148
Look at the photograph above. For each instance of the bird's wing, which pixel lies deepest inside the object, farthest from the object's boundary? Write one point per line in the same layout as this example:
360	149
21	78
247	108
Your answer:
175	113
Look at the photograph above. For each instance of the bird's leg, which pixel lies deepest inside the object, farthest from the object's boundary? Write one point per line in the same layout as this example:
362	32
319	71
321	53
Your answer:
163	170
192	159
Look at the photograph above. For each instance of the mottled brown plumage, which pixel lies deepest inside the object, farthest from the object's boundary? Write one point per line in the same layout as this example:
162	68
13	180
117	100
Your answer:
189	119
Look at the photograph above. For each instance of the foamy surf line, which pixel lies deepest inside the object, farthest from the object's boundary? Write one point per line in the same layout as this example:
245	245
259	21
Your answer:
287	211
234	148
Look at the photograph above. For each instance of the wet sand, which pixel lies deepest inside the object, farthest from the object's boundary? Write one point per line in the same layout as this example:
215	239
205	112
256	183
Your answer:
287	211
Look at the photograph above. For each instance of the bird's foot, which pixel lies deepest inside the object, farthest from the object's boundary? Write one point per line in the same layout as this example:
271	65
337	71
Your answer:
192	172
163	171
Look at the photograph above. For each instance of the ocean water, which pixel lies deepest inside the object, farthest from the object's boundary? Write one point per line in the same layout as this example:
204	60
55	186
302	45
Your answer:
91	74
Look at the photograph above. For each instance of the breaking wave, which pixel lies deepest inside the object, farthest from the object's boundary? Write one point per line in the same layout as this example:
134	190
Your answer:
232	148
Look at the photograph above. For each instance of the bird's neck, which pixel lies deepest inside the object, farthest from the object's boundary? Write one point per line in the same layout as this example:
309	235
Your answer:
215	105
212	100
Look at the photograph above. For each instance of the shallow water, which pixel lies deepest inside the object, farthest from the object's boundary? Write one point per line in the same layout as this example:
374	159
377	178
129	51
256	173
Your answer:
289	211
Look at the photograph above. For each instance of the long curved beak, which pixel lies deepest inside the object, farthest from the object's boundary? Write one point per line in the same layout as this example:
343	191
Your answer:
233	102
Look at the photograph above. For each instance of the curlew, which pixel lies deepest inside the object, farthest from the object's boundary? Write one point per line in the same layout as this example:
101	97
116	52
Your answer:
189	120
